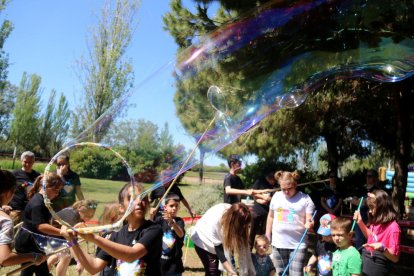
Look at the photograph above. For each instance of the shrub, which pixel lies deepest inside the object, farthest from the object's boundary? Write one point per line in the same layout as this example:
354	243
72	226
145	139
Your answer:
201	199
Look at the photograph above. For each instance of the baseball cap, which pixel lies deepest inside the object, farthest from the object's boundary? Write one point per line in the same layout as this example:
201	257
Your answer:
325	224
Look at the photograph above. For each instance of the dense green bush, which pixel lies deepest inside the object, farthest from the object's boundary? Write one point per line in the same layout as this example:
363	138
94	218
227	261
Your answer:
204	197
96	163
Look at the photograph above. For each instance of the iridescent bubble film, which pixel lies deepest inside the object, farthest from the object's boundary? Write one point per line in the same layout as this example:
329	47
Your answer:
268	59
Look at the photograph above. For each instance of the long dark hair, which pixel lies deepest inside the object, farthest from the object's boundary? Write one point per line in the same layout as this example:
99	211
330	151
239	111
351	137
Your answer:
8	181
384	210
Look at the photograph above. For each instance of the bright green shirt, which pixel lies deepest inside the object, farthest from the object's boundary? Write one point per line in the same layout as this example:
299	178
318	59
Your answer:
346	262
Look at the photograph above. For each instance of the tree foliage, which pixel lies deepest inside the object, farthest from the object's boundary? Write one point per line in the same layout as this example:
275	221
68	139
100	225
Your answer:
26	113
106	74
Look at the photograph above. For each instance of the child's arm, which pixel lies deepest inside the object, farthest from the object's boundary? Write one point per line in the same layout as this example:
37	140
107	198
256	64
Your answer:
361	224
48	229
379	246
177	228
269	224
187	205
9	258
312	261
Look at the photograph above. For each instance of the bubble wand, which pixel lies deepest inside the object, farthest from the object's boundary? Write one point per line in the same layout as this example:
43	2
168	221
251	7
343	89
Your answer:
359	207
297	247
95	229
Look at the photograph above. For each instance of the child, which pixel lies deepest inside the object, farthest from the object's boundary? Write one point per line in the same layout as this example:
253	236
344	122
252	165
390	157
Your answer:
36	219
134	250
324	248
383	244
81	211
7	257
112	213
173	238
346	260
261	260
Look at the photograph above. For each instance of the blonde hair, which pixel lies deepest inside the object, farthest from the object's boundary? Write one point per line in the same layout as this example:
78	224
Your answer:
292	177
111	213
262	238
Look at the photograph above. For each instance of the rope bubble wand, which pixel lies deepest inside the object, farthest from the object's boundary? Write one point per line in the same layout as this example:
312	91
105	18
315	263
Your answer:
95	229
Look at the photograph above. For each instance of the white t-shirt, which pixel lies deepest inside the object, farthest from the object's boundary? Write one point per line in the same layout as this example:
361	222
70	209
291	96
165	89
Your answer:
289	219
207	231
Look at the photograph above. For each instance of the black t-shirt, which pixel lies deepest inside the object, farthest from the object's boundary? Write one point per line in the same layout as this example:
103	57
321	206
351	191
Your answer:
171	246
234	182
25	183
324	252
262	184
332	198
149	235
35	213
159	192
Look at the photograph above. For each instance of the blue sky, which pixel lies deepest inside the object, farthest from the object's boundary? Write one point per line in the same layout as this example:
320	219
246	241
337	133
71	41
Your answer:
49	36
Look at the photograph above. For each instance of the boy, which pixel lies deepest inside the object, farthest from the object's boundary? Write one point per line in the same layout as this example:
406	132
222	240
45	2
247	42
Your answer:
233	185
324	248
346	260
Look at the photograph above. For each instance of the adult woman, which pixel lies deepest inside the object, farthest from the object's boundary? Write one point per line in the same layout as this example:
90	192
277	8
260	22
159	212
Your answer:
290	213
222	230
7	257
36	219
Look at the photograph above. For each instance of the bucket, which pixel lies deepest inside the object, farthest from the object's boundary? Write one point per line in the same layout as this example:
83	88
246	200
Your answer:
187	238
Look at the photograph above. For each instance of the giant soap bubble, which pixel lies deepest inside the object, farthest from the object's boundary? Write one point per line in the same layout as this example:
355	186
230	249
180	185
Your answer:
269	59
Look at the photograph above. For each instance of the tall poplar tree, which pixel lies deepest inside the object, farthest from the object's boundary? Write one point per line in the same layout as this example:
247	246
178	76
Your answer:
106	74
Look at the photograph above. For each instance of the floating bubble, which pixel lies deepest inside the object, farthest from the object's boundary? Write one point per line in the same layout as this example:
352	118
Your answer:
269	59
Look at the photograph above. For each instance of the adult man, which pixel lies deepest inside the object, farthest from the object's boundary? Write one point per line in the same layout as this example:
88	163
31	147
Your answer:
72	188
24	178
233	185
371	185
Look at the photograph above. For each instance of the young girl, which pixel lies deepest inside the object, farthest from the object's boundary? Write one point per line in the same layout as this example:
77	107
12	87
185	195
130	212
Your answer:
173	238
261	260
7	257
134	250
112	213
290	213
36	219
222	230
81	211
383	244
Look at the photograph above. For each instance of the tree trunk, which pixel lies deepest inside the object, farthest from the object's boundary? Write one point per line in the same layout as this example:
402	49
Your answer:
332	148
403	147
201	167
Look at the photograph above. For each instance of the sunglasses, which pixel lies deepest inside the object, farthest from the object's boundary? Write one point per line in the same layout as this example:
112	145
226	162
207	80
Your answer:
370	175
332	176
92	205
